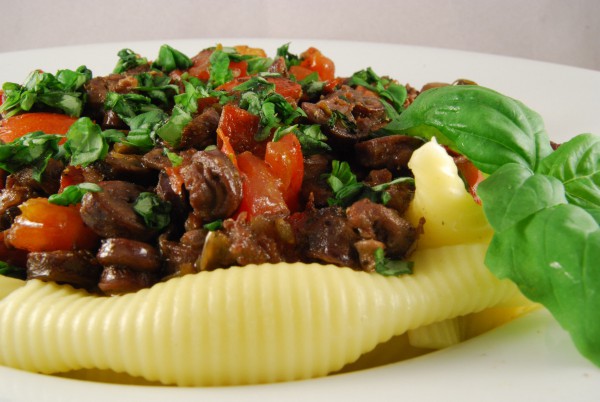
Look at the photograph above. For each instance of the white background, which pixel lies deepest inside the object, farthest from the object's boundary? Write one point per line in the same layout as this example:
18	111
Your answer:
565	32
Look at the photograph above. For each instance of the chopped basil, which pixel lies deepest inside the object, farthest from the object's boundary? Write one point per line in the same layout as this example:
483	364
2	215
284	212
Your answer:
170	59
73	194
62	92
85	143
290	59
214	225
175	159
387	267
142	129
33	149
219	68
311	138
128	105
12	271
154	211
347	189
157	87
338	117
386	88
128	59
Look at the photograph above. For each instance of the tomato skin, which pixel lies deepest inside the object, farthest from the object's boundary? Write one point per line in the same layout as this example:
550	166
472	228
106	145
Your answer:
314	60
240	127
300	72
471	175
261	192
50	123
285	160
43	226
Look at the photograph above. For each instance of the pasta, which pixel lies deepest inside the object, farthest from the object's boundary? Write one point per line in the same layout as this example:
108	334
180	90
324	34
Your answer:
243	325
248	325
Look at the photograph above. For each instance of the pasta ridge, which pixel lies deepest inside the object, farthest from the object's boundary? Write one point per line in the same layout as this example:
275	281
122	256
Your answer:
248	325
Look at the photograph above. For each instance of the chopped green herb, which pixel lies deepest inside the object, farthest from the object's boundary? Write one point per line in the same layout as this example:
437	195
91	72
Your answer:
128	59
170	59
63	92
290	59
33	149
157	87
338	117
73	194
387	267
11	270
154	211
85	143
175	159
128	105
311	138
386	88
214	225
219	68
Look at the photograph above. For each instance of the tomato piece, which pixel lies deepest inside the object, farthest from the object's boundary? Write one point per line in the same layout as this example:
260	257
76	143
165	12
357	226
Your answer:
175	179
261	192
314	60
300	72
250	51
285	160
239	68
201	64
240	127
70	176
21	124
47	227
471	175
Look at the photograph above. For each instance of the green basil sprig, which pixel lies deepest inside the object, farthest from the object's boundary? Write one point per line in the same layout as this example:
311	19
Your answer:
543	205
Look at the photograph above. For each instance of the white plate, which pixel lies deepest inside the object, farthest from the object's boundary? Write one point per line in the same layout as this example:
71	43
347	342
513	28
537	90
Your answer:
529	359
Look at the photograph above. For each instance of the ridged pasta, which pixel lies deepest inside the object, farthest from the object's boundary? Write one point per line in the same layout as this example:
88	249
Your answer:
246	325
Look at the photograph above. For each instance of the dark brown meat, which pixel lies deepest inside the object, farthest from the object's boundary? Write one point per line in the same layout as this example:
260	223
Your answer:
156	159
391	152
376	221
97	89
279	67
347	115
202	130
115	280
324	235
110	212
49	183
179	259
314	186
213	183
127	167
10	199
266	239
74	267
127	253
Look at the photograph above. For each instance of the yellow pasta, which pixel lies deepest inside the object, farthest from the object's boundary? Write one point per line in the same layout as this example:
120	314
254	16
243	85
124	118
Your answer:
451	215
242	325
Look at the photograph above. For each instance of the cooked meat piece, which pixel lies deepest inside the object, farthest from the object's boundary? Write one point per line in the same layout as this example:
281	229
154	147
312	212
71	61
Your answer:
127	167
156	159
314	186
97	89
376	221
279	67
49	183
366	253
116	280
74	267
324	235
265	239
170	189
347	115
401	196
213	183
202	130
10	199
110	212
391	152
179	258
127	253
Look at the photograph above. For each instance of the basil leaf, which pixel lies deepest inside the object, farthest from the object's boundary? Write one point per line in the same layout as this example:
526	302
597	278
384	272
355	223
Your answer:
128	59
553	257
172	130
311	138
170	59
219	68
154	211
33	149
576	163
63	91
157	87
85	143
73	194
142	129
290	59
487	127
214	225
514	192
387	267
128	105
12	271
